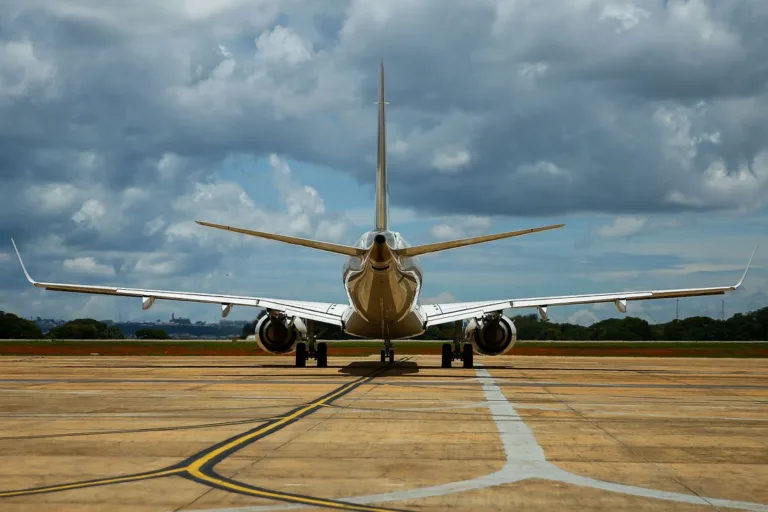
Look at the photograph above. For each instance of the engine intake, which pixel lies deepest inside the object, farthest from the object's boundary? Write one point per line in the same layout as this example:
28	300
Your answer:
278	334
491	335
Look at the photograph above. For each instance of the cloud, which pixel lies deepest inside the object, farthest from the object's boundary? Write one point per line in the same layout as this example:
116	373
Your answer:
450	161
88	265
23	74
282	44
447	232
628	226
460	226
91	211
582	317
226	202
542	167
627	15
52	197
622	226
440	298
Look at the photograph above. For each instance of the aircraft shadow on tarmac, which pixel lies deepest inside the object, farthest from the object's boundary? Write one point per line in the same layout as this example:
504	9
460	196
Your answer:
363	368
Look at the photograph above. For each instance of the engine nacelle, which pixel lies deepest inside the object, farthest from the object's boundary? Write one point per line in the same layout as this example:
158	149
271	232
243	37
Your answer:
279	334
491	335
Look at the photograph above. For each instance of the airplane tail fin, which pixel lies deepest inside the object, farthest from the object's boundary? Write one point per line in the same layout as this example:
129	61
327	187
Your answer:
382	199
313	244
417	250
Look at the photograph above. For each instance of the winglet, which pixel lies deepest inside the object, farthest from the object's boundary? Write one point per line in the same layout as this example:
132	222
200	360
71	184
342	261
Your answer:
29	278
746	269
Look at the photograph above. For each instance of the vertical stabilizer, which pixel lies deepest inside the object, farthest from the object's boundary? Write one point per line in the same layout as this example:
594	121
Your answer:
382	199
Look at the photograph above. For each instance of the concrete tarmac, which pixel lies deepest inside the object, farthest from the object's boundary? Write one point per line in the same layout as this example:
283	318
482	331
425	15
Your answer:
253	434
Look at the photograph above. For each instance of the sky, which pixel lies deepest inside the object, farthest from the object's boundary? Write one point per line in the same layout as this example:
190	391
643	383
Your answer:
641	125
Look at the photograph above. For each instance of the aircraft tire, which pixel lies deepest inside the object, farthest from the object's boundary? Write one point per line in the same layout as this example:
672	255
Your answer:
301	355
447	355
392	356
468	356
322	355
383	357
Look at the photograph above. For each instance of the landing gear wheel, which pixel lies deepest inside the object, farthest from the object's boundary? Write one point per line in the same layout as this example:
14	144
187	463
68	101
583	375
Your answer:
391	356
468	356
322	355
447	355
301	355
383	357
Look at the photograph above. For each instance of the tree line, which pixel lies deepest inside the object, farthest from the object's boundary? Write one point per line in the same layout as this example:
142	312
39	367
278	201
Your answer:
752	326
14	327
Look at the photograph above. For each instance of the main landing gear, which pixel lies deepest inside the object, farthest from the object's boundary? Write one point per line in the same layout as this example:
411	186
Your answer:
388	352
317	351
457	350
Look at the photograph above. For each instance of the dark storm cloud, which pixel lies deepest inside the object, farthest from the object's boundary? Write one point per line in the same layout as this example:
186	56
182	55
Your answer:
119	94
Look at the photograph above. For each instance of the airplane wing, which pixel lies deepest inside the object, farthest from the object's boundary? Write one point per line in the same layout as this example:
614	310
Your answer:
318	311
435	314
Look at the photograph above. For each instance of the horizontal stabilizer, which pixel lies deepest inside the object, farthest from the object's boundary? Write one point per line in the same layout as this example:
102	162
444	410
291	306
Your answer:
313	244
452	244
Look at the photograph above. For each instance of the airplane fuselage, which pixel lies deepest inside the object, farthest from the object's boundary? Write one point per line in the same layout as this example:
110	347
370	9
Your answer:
383	289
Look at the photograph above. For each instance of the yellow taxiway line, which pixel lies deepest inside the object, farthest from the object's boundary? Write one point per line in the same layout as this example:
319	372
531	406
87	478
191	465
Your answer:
92	483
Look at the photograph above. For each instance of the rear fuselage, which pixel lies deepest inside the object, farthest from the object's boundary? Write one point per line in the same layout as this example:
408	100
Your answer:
383	289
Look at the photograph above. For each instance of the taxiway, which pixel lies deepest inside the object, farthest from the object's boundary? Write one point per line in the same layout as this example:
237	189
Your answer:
252	434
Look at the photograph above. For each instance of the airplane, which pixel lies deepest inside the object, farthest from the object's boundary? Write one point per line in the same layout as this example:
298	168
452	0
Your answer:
382	278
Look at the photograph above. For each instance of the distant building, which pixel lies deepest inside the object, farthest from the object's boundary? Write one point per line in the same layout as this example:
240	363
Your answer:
180	320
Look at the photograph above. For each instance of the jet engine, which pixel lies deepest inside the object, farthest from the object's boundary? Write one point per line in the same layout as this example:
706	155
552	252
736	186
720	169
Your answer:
491	335
278	334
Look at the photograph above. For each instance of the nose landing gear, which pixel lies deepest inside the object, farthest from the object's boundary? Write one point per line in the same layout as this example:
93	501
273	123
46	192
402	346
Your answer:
388	352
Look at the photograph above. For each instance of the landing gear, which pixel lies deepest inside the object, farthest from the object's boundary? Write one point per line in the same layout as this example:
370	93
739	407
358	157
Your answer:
322	355
465	354
301	355
468	356
447	355
456	351
317	351
388	352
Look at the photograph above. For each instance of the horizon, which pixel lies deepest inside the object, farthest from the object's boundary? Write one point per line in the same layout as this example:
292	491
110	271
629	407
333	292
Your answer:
517	313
